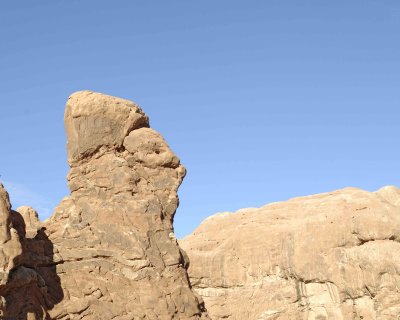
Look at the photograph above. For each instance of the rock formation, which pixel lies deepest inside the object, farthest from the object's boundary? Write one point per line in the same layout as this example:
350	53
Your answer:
108	251
333	256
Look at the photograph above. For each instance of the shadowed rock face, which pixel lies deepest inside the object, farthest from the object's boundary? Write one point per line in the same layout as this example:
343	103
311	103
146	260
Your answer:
108	251
333	256
29	285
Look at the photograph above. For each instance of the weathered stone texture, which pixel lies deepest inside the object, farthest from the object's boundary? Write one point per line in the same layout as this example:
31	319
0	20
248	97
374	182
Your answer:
333	256
108	251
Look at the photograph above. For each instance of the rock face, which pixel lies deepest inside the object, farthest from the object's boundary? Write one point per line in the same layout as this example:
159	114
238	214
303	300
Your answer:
29	284
108	251
333	256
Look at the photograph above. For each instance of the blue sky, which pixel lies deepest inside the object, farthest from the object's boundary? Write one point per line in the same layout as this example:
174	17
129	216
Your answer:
261	100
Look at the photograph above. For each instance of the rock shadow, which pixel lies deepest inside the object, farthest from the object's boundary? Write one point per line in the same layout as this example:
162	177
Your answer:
33	286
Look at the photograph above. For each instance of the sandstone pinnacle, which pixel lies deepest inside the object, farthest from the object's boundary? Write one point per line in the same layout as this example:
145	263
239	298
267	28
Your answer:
108	251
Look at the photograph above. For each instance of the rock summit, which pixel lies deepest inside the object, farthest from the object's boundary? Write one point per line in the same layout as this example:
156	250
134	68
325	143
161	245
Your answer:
109	249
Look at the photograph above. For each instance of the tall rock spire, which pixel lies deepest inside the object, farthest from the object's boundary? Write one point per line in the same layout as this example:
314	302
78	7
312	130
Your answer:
113	253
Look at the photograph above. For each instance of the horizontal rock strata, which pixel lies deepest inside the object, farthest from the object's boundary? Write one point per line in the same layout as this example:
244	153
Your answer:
108	251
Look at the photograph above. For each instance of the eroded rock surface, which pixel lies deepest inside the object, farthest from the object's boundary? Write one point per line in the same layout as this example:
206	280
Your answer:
108	251
29	283
333	256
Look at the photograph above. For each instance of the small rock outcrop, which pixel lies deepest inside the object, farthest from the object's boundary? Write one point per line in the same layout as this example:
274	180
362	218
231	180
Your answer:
332	256
109	250
29	283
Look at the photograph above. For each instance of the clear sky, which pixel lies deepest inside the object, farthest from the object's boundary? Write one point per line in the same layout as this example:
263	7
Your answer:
262	100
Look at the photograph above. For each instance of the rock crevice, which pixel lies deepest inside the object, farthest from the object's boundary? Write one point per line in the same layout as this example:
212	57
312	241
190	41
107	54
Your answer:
108	251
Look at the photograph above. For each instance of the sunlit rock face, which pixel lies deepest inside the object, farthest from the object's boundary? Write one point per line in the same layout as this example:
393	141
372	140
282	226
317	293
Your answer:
333	256
108	251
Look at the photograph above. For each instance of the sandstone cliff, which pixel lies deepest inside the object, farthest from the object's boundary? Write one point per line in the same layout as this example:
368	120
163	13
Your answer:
333	256
108	251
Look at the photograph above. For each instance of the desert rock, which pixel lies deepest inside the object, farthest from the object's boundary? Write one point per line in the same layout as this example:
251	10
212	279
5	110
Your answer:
11	246
333	256
108	251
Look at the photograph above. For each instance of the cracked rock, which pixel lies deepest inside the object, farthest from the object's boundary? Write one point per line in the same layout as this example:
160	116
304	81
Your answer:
107	251
332	256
